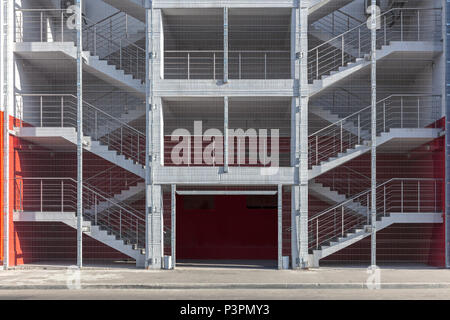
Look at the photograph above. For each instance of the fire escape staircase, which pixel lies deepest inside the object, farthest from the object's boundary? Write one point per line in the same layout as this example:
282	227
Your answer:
338	227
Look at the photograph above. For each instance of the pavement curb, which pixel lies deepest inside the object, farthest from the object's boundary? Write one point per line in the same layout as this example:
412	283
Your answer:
178	286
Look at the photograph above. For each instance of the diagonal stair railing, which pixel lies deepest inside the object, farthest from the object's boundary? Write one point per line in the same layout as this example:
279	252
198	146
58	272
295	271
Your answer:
107	38
394	111
60	111
60	195
396	24
397	195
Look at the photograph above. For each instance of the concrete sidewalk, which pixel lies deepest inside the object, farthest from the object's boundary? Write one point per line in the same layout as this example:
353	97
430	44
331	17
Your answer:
220	278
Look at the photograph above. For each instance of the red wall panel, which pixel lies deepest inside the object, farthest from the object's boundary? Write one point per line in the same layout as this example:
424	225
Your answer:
229	231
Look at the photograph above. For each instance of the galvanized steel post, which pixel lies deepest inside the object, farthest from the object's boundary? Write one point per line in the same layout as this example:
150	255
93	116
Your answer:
79	27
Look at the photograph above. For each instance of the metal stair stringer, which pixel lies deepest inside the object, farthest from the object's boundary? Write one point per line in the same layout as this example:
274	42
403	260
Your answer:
94	231
89	144
327	81
125	196
333	118
92	64
384	137
361	233
332	197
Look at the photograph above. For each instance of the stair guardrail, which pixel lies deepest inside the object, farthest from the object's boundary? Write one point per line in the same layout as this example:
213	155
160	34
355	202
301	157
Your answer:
396	24
60	110
394	111
60	195
107	38
397	195
243	64
336	23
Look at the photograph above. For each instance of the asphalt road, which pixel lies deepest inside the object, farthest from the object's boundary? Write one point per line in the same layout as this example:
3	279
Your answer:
229	294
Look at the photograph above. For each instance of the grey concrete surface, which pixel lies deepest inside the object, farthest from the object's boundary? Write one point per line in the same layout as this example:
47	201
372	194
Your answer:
237	294
221	277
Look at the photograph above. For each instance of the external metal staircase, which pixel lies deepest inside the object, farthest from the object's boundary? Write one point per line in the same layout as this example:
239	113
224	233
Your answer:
55	200
55	116
401	118
402	31
398	201
108	50
328	195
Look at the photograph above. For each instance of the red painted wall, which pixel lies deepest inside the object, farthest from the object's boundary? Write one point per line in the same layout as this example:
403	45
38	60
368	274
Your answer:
229	231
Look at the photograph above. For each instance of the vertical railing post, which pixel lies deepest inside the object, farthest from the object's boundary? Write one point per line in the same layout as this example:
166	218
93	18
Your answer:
265	65
120	223
95	209
126	25
401	25
214	66
385	37
401	192
120	54
62	195
418	112
96	124
418	196
435	196
342	221
342	138
368	208
317	233
240	65
41	26
401	112
359	42
359	128
418	25
189	65
317	149
384	116
343	52
317	63
384	200
62	111
41	196
41	110
95	40
62	25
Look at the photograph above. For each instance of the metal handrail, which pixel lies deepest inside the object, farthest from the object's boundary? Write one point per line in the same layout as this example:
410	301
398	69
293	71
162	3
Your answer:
352	199
84	102
364	24
368	107
87	187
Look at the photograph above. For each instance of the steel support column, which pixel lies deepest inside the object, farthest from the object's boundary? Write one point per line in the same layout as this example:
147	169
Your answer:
173	220
225	45
373	13
153	207
79	23
303	166
280	226
7	100
225	135
446	36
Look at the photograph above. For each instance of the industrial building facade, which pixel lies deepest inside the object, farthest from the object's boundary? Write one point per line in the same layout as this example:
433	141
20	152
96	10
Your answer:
302	133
